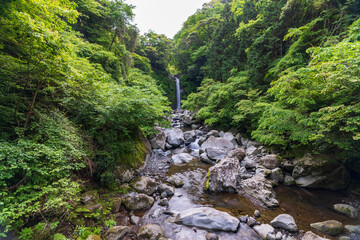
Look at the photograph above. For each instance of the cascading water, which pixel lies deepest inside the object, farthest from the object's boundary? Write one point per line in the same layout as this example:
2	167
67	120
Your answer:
178	99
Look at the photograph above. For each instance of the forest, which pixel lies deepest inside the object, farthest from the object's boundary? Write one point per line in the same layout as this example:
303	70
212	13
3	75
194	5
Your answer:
80	90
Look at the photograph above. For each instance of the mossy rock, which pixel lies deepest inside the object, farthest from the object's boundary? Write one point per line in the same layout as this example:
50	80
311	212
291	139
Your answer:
59	236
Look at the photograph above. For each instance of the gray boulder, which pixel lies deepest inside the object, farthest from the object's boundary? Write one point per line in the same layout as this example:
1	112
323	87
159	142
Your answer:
353	228
213	142
252	151
138	202
223	176
347	210
204	158
145	185
214	133
116	233
175	137
285	221
289	180
208	218
151	231
260	188
190	136
215	153
238	153
181	158
229	136
312	236
270	161
166	190
158	142
277	175
249	163
330	227
264	230
176	181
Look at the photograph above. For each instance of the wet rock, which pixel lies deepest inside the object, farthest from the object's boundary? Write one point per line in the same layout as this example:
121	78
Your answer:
312	236
260	188
204	158
347	210
216	153
270	161
213	142
134	220
176	181
353	228
138	202
251	222
208	218
264	230
166	190
344	238
289	181
257	213
158	142
190	136
211	236
181	158
145	185
90	197
223	176
277	175
164	202
150	231
243	219
202	140
249	163
285	221
116	233
238	153
168	146
214	133
330	227
175	137
198	132
116	205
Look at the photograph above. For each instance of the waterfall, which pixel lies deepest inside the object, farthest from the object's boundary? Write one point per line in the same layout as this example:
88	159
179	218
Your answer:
178	99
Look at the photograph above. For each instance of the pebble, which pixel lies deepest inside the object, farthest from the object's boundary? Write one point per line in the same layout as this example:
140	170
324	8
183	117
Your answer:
211	236
257	213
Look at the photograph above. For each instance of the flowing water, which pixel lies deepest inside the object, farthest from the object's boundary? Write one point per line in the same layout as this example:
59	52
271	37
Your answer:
178	97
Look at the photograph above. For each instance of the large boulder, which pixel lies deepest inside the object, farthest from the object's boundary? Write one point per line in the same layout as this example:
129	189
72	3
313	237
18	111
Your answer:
138	202
116	233
271	161
208	218
330	227
216	153
158	141
264	230
214	142
190	136
214	133
151	231
260	188
176	181
312	236
223	176
181	158
347	210
145	185
285	221
229	136
238	153
175	137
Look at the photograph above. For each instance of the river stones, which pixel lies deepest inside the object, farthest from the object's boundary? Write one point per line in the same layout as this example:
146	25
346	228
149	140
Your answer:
347	210
181	158
208	218
175	137
158	142
190	136
216	153
289	180
138	202
145	185
260	188
238	153
211	236
270	161
353	228
214	133
151	231
116	233
264	230
216	142
223	176
204	158
285	221
166	190
249	163
176	181
312	236
277	175
330	227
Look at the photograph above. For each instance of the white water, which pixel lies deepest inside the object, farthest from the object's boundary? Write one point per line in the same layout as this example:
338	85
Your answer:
178	99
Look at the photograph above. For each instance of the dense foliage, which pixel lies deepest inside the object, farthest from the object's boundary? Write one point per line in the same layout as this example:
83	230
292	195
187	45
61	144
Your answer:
72	105
285	72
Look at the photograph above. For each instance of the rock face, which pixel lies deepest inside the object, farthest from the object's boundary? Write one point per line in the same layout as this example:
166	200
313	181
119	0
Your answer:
175	137
216	153
270	161
214	142
347	210
312	236
138	202
223	176
116	233
151	231
181	158
331	227
261	189
145	185
158	142
176	181
264	230
208	218
285	221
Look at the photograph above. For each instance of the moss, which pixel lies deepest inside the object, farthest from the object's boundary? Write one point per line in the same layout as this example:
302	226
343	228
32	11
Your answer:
207	184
